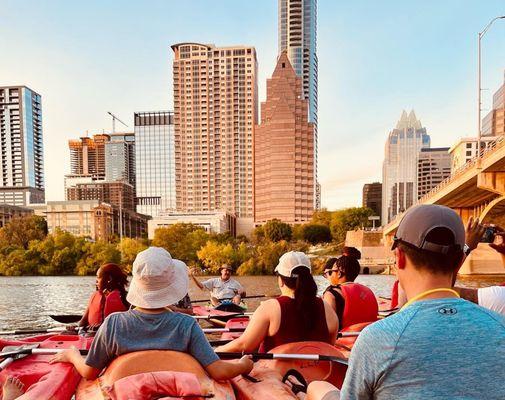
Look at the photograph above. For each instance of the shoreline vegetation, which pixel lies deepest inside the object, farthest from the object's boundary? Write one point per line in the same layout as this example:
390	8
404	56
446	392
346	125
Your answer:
27	249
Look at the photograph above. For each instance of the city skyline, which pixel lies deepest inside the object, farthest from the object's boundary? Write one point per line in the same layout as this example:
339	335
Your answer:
440	87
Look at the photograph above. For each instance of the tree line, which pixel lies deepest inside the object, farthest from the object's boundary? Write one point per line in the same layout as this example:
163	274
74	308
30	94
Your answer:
26	247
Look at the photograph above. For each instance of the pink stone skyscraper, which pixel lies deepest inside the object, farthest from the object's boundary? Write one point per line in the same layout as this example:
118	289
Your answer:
215	110
284	151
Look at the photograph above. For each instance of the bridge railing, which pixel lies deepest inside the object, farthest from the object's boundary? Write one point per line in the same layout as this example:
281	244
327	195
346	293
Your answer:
483	154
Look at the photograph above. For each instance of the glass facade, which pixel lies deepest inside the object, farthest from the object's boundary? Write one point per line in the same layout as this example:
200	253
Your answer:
154	162
120	158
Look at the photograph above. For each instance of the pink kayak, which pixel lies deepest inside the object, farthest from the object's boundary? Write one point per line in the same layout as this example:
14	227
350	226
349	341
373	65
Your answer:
235	323
45	381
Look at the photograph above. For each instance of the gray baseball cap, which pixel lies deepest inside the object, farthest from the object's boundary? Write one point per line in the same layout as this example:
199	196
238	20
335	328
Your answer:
420	220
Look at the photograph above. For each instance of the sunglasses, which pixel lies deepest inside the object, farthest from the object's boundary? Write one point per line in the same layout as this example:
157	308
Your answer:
329	272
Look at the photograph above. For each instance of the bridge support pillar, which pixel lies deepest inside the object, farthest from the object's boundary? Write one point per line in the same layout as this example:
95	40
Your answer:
492	181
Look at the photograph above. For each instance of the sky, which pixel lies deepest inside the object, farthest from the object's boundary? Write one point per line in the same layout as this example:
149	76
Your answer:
376	58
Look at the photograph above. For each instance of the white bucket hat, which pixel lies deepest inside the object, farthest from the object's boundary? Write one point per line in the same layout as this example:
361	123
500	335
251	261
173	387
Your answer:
289	261
158	279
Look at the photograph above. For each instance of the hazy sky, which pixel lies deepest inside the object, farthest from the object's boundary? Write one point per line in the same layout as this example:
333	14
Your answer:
375	59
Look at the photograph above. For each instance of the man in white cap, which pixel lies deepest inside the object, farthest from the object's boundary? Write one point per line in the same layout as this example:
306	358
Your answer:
158	281
438	346
222	288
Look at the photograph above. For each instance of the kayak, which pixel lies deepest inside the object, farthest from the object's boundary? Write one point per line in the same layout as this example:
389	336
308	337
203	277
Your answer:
45	381
235	323
153	374
230	306
345	344
215	316
270	373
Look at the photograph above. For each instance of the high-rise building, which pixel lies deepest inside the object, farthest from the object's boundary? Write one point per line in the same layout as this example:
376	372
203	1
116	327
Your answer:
493	124
120	158
21	158
284	144
433	166
465	149
154	162
215	110
87	156
372	197
399	170
298	36
119	194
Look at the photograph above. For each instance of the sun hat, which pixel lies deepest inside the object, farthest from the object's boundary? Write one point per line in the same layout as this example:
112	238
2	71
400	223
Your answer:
420	220
158	279
289	261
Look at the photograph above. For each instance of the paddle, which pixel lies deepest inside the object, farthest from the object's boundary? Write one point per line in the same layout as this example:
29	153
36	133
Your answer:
9	360
245	297
66	318
23	350
277	356
222	330
30	331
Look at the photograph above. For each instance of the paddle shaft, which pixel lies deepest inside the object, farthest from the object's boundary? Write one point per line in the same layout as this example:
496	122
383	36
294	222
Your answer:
245	297
13	353
222	330
276	356
30	331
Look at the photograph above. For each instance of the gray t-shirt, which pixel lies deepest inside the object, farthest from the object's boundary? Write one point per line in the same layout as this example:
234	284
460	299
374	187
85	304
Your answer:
133	330
223	289
433	349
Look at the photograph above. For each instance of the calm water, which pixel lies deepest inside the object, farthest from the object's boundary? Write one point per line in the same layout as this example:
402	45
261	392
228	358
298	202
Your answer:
25	302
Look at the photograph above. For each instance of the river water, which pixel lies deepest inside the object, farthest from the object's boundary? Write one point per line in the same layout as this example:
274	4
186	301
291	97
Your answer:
26	302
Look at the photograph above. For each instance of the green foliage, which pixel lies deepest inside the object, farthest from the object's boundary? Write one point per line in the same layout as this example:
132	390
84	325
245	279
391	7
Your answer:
276	230
349	219
97	254
129	249
18	262
215	254
182	241
21	231
322	217
316	233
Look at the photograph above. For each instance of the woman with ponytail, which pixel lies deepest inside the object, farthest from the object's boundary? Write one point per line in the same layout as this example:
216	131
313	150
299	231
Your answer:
109	297
297	315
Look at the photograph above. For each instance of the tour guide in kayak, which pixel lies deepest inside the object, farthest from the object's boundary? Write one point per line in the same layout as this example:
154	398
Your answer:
109	297
158	281
297	315
354	303
222	288
438	346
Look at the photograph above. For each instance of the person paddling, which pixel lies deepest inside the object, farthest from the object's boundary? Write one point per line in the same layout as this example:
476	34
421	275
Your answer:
297	315
109	297
224	288
354	303
438	346
158	281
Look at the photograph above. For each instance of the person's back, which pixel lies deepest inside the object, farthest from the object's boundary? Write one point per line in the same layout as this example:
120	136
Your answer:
434	349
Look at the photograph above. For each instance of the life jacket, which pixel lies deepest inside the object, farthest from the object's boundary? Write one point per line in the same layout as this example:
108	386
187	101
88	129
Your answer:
394	295
360	304
101	306
290	330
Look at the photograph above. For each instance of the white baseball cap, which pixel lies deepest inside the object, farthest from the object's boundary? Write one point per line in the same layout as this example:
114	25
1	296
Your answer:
289	261
158	279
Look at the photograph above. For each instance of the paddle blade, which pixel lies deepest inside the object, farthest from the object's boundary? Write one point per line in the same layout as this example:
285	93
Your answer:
66	318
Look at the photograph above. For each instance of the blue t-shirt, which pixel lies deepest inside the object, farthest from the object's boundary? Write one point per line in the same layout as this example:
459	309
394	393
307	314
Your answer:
433	349
133	330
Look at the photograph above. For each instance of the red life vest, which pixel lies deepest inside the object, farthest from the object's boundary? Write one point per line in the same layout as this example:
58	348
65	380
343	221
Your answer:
101	305
290	330
360	305
394	295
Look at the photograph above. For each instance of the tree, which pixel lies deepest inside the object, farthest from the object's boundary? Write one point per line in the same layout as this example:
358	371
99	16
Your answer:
129	248
21	231
316	233
322	217
97	254
349	219
214	254
276	230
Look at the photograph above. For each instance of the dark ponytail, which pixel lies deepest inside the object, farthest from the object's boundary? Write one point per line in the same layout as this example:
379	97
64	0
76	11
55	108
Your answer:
302	282
115	279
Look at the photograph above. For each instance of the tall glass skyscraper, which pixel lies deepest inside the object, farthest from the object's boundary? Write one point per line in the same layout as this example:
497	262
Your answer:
21	156
120	158
155	162
399	170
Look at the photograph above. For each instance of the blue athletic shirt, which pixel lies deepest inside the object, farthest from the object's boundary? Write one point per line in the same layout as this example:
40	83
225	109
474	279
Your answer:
433	349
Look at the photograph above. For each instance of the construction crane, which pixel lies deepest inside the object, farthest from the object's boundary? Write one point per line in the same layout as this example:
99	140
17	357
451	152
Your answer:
114	118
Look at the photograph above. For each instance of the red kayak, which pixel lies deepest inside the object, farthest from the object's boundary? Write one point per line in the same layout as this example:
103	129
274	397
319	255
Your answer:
43	380
235	323
215	317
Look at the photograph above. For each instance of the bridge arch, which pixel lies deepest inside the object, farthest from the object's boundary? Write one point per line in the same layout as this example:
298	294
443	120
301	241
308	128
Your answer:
494	212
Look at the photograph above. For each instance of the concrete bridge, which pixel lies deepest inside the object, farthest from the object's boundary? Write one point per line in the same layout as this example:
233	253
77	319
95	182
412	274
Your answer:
476	189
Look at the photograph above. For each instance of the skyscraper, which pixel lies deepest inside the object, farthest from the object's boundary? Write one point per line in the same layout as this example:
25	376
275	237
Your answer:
284	149
433	166
215	110
372	197
120	158
21	158
493	124
154	162
298	36
87	156
399	170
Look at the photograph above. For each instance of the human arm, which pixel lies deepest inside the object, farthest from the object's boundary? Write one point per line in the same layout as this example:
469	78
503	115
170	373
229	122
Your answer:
192	274
84	320
221	370
73	356
256	330
332	322
473	233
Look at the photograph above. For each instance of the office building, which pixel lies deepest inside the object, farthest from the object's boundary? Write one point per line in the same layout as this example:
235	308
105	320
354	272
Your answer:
9	212
433	166
399	170
215	110
118	194
372	197
493	124
87	156
465	150
120	158
21	158
284	156
154	162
